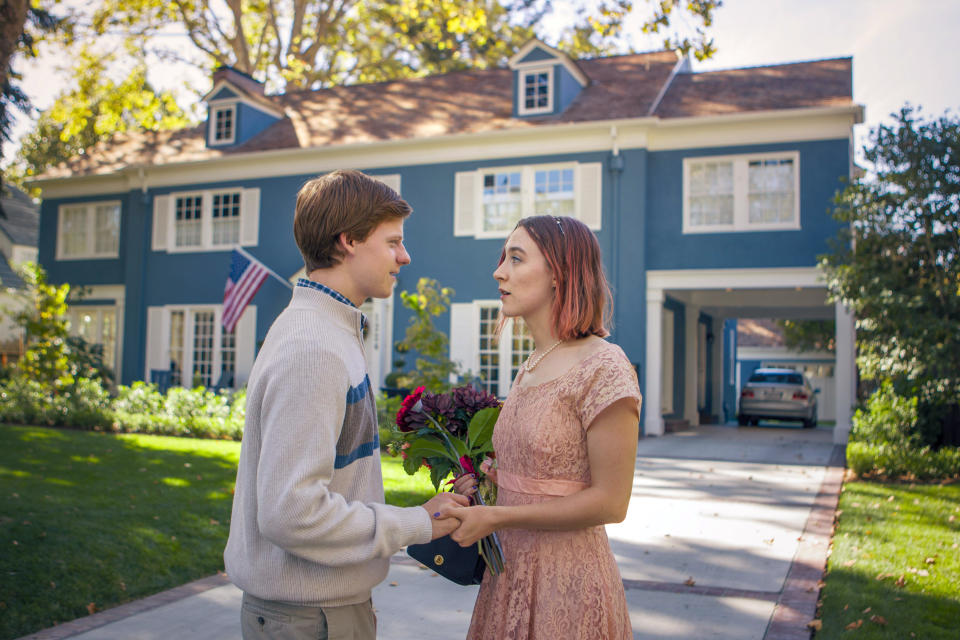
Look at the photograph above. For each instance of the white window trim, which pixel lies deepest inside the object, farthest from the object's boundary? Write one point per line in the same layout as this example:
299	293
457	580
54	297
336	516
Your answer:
741	211
215	107
521	90
76	311
206	220
527	192
91	223
470	358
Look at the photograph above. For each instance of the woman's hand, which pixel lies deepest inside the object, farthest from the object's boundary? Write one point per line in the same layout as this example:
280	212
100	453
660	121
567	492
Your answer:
465	485
475	522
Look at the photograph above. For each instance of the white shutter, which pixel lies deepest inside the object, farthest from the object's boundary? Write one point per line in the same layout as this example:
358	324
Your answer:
465	203
246	336
392	180
465	337
158	340
589	194
161	222
250	217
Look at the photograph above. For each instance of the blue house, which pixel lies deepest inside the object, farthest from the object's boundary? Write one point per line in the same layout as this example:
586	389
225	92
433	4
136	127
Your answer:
709	193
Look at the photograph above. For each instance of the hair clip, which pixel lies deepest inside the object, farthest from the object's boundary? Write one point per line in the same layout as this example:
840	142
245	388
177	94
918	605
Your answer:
557	220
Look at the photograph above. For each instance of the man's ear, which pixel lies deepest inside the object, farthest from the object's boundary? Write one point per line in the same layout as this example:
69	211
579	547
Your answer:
346	243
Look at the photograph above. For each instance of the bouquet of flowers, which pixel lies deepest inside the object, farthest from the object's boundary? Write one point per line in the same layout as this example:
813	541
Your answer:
452	433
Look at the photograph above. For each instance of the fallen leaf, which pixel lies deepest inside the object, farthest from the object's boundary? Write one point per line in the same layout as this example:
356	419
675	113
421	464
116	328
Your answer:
53	585
849	563
214	522
867	610
690	581
846	606
878	619
123	586
900	581
91	607
186	464
881	575
855	625
923	573
394	584
889	498
816	625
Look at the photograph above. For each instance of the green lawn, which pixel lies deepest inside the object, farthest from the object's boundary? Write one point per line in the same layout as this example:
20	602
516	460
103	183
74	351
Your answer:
894	572
91	520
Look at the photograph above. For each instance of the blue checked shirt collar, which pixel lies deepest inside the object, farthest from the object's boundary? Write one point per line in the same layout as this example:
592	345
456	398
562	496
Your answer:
333	293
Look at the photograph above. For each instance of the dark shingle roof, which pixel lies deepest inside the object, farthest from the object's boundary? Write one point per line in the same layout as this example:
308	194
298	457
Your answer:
20	218
8	277
481	101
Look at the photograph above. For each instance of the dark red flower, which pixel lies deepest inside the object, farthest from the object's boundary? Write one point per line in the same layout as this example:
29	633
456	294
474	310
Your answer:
406	419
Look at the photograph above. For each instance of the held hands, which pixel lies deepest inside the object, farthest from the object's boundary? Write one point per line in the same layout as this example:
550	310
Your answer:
439	504
474	522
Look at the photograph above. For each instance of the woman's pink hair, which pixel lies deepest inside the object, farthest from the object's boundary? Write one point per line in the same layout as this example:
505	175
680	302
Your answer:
583	302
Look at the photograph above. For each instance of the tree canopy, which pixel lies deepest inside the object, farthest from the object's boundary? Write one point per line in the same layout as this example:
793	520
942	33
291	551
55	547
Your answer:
896	263
311	44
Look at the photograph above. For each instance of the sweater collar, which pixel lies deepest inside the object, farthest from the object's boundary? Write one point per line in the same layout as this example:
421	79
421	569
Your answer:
313	295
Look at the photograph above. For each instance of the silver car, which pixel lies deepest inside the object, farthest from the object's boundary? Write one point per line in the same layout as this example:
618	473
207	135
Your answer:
777	394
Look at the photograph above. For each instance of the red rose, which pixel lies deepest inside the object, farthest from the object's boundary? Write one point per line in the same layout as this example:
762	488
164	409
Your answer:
403	415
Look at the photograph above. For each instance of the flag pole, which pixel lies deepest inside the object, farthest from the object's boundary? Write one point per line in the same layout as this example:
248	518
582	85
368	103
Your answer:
268	269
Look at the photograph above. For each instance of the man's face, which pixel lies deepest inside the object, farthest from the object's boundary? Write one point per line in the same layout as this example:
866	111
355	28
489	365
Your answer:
376	261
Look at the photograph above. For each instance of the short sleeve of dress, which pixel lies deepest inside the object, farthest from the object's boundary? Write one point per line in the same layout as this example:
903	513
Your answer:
611	378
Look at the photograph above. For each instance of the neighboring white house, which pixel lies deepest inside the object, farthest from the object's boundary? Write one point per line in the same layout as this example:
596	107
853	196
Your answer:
19	222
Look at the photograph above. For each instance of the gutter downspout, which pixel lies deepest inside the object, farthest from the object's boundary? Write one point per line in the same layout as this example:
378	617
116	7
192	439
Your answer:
615	166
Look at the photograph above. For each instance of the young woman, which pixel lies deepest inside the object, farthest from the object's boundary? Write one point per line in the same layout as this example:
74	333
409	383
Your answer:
566	445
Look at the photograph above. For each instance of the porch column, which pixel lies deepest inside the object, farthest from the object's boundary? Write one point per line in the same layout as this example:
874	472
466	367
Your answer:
716	405
690	361
653	420
844	373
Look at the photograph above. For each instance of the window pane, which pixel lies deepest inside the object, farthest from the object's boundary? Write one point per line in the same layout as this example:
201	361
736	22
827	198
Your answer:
223	119
553	193
711	193
489	355
501	200
536	90
73	231
176	348
771	192
187	220
203	329
521	346
228	351
107	236
109	338
226	218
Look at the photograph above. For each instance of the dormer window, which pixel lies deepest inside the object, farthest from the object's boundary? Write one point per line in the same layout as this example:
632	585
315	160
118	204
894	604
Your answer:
536	91
223	127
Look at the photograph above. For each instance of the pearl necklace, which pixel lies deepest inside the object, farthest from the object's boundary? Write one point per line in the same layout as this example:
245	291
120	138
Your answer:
530	363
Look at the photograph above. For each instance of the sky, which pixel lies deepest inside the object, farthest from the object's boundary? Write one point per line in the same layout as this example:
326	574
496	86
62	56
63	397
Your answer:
903	51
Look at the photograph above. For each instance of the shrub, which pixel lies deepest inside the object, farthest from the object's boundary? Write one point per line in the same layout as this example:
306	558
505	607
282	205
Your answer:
889	418
896	461
82	403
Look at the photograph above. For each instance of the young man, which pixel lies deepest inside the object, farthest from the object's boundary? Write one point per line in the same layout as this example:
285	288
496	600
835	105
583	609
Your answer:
310	534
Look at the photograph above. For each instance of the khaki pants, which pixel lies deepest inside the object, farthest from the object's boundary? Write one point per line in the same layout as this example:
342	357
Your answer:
266	620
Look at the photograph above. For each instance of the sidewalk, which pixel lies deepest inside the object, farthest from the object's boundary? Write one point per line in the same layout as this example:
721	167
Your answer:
725	539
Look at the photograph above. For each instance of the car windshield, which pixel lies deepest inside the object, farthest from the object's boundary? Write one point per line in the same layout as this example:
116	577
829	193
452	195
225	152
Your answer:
777	377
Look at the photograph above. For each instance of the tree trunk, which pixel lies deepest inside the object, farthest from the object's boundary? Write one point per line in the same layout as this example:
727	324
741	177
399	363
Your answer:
13	15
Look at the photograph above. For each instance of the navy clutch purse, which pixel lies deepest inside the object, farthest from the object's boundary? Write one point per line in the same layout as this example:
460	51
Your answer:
462	565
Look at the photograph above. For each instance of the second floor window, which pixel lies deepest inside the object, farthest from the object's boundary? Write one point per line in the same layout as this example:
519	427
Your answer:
222	127
207	220
89	230
536	87
741	193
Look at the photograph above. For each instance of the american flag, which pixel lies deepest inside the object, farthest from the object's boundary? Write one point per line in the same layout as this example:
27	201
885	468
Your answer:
246	276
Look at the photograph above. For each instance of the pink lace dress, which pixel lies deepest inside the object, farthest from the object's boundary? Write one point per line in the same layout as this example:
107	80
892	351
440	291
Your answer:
557	584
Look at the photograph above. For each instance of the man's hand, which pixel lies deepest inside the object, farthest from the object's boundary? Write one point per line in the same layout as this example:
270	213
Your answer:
439	503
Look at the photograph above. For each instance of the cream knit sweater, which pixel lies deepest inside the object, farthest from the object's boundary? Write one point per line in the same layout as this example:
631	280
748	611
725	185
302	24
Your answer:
309	523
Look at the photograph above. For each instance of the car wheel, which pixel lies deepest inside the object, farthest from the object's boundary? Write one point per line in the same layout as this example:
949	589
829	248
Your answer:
743	421
811	422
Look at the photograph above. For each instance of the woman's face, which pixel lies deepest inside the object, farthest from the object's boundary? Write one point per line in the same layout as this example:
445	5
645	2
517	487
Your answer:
526	284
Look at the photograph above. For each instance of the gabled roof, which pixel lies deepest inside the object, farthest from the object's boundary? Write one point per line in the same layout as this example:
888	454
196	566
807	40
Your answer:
820	83
471	102
20	217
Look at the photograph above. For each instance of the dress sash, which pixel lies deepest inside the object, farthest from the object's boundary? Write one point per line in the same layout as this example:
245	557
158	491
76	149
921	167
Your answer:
538	487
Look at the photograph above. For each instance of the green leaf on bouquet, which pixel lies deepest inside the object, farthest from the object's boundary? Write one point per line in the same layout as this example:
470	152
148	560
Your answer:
428	448
412	463
439	471
480	430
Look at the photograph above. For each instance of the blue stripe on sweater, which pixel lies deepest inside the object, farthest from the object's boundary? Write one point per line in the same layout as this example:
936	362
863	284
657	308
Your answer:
364	450
359	392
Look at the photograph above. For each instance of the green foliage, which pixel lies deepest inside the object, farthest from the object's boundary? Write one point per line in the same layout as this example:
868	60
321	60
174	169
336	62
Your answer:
898	461
434	367
95	108
45	360
888	418
896	263
386	416
809	335
196	412
82	403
